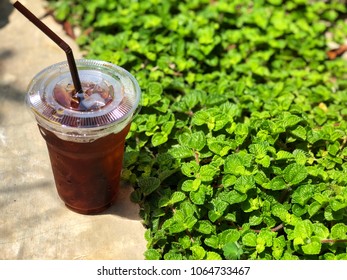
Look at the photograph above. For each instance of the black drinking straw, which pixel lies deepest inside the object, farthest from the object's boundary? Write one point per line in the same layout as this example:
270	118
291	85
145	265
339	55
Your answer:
60	42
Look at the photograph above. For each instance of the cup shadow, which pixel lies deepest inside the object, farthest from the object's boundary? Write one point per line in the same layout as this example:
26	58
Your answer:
123	206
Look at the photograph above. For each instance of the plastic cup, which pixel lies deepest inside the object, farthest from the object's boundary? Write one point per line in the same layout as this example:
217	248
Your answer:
86	143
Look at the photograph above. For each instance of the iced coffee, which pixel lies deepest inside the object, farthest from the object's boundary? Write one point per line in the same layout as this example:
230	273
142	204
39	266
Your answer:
85	132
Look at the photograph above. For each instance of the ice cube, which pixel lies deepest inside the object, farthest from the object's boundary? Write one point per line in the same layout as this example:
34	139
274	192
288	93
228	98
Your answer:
102	89
94	101
88	88
62	95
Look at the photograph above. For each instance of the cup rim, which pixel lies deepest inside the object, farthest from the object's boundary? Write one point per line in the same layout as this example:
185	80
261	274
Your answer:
61	120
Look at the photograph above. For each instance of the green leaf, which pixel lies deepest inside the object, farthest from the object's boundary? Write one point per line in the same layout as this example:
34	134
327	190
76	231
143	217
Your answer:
207	173
233	197
329	256
152	254
212	241
279	244
151	21
249	239
197	140
228	180
284	155
320	230
258	149
181	152
230	217
176	197
219	207
251	205
289	256
204	227
303	229
130	158
190	222
299	210
289	119
237	163
190	169
185	242
279	210
200	118
206	35
313	208
62	11
331	215
213	256
314	135
198	197
172	255
177	227
339	231
337	205
233	165
322	198
167	127
187	185
188	208
244	183
255	219
228	236
154	93
334	148
198	252
300	156
155	88
295	173
260	246
190	100
196	184
232	251
159	138
148	184
219	147
299	132
313	247
265	161
303	194
276	184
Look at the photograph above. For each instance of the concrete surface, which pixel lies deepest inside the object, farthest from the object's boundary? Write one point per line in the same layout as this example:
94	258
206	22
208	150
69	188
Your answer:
34	223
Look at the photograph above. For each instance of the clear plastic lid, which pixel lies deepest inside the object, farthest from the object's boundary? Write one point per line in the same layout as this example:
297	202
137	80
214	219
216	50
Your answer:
111	97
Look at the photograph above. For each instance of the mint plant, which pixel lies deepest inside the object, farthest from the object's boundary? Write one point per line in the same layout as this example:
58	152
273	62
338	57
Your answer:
239	151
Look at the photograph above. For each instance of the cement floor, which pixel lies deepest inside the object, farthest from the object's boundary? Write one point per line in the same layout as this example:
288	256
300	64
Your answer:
34	223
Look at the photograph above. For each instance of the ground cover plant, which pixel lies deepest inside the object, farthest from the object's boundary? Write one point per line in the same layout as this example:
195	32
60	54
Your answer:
239	151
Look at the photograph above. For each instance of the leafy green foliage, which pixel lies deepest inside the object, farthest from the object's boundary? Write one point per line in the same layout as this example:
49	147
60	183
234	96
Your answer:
239	151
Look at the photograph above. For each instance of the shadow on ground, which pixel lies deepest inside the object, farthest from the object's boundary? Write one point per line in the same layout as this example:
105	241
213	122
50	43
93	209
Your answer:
6	9
8	89
123	207
7	92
